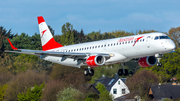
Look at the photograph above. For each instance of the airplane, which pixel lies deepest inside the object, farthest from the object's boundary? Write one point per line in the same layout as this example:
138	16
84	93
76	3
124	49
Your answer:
143	48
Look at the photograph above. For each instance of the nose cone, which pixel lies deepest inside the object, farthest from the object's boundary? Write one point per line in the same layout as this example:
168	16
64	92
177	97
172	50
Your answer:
171	46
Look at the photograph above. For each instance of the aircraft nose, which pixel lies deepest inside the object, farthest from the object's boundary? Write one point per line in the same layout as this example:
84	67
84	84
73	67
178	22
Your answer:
171	46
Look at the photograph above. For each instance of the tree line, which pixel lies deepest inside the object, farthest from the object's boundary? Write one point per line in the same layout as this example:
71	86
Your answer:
20	72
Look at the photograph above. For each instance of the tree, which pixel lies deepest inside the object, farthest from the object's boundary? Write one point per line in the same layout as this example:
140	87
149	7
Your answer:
140	83
104	94
174	35
170	67
51	30
67	36
3	35
3	91
51	89
22	82
94	35
33	93
145	31
69	94
79	37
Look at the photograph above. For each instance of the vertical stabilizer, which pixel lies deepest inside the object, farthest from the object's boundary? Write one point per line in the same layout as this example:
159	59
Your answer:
47	39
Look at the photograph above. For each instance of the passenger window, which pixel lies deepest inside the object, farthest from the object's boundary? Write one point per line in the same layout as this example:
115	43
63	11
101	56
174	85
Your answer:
85	48
122	42
104	45
95	46
131	41
114	44
101	45
111	44
119	43
89	47
82	48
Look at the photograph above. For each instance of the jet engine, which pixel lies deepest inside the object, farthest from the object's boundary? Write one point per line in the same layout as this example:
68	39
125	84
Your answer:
147	61
95	60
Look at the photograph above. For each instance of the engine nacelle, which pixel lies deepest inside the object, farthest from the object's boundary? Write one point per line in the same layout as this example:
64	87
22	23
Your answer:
95	60
147	61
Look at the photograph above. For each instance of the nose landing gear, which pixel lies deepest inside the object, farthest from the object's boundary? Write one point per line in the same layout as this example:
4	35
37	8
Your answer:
158	56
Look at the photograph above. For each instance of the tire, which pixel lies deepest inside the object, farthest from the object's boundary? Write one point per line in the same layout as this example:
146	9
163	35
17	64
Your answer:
126	72
159	64
120	72
86	72
91	72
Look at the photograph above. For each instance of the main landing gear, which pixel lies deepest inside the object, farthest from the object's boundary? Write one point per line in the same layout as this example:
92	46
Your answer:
159	64
89	72
122	71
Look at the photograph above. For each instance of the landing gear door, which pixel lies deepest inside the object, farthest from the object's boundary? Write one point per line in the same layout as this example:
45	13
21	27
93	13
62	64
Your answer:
148	41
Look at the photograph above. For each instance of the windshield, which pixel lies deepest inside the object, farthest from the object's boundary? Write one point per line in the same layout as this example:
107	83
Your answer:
161	37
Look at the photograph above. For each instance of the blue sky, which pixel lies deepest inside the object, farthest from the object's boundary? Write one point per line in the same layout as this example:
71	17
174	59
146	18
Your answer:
90	15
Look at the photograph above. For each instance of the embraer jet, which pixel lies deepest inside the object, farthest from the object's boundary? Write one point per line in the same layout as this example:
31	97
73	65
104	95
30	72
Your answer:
144	48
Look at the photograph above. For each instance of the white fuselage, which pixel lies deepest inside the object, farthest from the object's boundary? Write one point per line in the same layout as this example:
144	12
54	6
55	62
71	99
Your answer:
122	48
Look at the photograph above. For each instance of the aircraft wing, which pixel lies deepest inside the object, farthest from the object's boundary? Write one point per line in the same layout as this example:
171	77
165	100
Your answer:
42	54
64	55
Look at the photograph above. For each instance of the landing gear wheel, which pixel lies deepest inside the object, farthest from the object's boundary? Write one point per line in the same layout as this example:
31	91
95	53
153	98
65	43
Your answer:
120	72
125	72
159	64
91	72
86	72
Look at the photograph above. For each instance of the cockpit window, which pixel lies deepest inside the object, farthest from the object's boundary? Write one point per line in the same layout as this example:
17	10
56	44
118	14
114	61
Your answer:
157	37
161	37
164	37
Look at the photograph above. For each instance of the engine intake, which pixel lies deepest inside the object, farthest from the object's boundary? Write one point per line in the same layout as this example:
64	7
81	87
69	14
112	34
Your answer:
147	61
95	60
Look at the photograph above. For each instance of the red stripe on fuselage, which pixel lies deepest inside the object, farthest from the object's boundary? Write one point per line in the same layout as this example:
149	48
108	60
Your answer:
51	44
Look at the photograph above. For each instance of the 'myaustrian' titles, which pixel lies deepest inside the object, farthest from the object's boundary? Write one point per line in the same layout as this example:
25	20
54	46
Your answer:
126	39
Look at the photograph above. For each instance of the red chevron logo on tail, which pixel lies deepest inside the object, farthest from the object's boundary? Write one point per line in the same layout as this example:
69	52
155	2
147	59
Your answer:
43	32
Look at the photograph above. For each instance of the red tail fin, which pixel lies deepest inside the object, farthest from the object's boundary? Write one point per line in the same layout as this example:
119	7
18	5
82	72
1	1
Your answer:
47	39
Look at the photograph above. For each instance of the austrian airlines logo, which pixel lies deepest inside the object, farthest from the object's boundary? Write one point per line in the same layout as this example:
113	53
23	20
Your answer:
43	32
138	39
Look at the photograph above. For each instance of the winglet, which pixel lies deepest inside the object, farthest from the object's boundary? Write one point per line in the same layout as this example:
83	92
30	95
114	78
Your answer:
14	48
